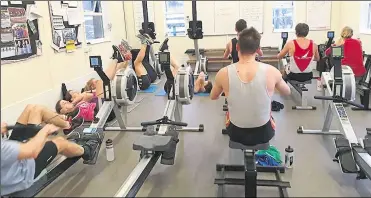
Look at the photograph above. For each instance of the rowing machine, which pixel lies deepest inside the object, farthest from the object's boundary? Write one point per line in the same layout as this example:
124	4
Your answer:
154	144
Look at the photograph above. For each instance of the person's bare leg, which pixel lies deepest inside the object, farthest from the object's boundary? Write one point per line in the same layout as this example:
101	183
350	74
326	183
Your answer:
67	148
200	83
99	89
140	57
174	63
174	71
23	118
39	114
110	71
122	65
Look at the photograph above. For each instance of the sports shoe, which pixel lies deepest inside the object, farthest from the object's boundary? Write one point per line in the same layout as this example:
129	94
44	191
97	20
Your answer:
90	149
116	54
126	45
75	122
145	39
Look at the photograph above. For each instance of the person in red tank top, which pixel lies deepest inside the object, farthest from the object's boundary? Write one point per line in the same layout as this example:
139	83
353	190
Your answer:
302	51
353	53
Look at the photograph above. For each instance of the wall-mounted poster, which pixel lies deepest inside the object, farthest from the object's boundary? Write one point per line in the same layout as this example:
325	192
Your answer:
19	32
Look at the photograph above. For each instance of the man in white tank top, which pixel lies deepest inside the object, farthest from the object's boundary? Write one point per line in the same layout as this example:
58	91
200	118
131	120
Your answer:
249	86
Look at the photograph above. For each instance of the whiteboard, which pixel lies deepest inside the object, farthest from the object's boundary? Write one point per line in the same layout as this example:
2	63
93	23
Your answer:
252	12
138	14
225	16
319	15
208	23
219	17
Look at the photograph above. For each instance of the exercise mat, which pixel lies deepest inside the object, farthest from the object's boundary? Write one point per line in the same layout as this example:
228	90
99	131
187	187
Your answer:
151	89
163	93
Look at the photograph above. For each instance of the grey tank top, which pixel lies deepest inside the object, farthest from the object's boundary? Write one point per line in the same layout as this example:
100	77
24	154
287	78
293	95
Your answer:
249	103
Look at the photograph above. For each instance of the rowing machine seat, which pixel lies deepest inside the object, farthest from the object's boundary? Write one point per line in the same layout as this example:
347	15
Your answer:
236	145
152	143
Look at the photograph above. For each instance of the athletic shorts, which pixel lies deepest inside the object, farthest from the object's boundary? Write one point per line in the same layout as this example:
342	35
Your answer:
22	132
301	77
151	72
251	136
144	82
45	157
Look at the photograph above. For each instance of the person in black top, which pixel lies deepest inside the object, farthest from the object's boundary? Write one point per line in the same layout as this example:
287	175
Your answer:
231	46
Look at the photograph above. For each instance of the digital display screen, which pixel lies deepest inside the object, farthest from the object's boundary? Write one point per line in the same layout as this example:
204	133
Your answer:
164	58
337	52
284	35
89	130
94	61
330	34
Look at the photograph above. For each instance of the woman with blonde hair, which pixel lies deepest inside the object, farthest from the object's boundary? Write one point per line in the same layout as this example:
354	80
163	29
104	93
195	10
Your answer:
353	53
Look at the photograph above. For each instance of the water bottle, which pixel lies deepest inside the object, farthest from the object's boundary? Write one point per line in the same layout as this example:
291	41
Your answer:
289	157
109	150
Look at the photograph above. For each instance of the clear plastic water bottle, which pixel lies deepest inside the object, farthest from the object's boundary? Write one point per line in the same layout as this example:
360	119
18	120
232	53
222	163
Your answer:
289	157
109	150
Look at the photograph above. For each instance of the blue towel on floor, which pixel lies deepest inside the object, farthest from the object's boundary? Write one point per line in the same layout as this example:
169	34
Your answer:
265	160
163	93
151	89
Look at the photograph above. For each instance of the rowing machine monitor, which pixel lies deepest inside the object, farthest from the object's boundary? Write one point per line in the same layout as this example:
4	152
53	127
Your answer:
164	58
330	36
96	63
284	36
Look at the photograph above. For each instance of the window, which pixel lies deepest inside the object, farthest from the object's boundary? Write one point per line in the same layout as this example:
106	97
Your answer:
365	21
283	16
174	18
95	22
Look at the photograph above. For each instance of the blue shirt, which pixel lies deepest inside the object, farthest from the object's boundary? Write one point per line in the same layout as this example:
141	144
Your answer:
16	175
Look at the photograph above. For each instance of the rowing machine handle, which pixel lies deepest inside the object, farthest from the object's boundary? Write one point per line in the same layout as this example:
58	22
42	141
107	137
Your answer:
178	123
324	97
12	127
144	124
355	104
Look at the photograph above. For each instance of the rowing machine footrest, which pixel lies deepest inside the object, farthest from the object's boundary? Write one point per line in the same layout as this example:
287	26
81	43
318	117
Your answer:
367	144
344	155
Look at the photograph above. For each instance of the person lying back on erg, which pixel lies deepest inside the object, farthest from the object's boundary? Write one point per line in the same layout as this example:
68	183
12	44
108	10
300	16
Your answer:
28	151
303	52
230	49
249	86
353	53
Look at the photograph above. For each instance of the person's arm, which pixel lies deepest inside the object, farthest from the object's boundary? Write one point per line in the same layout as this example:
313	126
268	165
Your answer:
32	148
316	53
217	88
77	99
328	51
281	85
284	51
227	50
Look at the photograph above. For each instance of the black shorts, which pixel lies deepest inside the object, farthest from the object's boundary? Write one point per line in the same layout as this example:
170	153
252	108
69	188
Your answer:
45	157
251	136
301	77
22	132
144	82
150	71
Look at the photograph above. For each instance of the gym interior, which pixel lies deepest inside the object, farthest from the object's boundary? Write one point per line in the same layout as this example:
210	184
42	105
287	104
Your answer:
313	162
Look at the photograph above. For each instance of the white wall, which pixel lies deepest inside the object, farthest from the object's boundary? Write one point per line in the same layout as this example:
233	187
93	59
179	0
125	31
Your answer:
38	80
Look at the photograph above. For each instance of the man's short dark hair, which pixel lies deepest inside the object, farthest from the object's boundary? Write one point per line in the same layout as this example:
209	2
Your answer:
58	106
241	25
302	30
249	41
